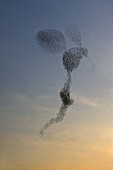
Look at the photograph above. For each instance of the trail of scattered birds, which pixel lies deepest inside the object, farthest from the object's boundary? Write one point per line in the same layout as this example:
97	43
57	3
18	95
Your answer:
54	41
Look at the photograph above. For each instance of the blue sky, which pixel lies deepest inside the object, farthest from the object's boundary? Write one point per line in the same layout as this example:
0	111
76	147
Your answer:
22	62
30	79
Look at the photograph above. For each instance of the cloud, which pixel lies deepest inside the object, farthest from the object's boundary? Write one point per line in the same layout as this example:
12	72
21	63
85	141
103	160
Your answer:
88	101
15	100
22	113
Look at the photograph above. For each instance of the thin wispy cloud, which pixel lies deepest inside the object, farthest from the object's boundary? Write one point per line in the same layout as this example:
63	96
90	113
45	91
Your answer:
87	101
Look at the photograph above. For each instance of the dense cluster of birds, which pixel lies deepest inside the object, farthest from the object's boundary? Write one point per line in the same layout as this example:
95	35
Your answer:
51	40
54	41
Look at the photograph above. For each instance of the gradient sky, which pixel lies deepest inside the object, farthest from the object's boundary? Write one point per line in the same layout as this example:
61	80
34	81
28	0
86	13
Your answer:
30	81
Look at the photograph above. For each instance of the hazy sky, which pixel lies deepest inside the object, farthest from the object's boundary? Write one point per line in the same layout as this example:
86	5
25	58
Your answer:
30	81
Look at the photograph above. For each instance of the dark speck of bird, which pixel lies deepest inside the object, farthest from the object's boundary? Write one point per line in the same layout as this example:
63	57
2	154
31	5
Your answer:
54	41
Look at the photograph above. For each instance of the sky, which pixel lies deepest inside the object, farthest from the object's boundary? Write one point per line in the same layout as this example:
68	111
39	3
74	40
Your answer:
30	81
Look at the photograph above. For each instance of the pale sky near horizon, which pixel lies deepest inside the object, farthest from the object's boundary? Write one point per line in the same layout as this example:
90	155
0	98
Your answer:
30	81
